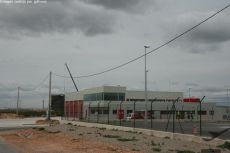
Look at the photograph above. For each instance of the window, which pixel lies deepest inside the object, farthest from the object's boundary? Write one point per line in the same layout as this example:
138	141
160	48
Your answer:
92	111
202	112
114	96
99	111
129	111
105	111
211	112
114	112
104	96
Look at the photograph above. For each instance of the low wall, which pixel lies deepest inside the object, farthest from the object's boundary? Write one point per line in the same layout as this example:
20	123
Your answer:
161	134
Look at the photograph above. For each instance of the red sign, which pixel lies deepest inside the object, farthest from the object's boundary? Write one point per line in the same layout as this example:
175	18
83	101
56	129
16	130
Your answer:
120	114
191	100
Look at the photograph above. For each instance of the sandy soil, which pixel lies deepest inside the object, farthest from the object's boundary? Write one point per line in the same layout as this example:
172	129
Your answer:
52	122
33	141
8	116
77	139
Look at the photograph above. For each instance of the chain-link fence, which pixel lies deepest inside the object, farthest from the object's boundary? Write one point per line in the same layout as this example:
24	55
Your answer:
191	118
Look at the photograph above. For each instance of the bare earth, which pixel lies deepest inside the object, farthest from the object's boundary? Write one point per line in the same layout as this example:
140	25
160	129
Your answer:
43	142
78	139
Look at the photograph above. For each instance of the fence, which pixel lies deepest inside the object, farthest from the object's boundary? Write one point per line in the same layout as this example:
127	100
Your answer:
175	116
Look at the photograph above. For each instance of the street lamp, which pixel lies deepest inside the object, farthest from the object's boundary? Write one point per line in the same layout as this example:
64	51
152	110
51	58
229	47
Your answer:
228	96
146	108
189	90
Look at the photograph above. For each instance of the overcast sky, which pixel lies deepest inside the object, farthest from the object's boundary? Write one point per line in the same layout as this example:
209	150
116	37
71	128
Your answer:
94	35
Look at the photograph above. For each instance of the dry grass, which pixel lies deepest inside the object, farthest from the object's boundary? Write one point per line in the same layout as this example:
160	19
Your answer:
52	122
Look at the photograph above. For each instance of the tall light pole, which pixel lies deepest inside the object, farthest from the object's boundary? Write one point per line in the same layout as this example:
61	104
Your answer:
189	90
228	97
146	108
49	103
17	102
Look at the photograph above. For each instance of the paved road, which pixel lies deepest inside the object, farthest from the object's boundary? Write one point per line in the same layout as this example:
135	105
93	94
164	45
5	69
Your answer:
14	124
5	148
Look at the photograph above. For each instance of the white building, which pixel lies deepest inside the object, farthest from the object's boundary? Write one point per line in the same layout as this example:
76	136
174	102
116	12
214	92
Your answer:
116	103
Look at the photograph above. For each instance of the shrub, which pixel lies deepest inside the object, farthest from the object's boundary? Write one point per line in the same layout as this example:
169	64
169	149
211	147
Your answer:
126	139
226	145
111	136
157	149
185	151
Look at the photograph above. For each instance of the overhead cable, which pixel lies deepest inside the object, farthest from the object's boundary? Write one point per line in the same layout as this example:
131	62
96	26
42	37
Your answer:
157	48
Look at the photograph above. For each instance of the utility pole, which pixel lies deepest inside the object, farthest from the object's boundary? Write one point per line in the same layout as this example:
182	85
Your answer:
48	118
146	108
228	101
17	101
43	104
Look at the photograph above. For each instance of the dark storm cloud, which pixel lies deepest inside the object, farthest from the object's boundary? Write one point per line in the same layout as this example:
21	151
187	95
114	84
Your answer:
132	6
54	17
213	32
205	38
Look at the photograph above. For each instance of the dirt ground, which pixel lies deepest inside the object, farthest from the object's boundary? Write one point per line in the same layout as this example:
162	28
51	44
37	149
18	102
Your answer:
77	139
8	116
33	141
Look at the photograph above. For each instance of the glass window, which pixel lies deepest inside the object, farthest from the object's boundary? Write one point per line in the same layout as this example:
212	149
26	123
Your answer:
105	111
114	112
99	111
104	96
211	112
129	111
93	111
202	112
114	96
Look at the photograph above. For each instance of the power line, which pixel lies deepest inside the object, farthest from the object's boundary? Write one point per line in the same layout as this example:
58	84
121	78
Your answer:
37	86
164	44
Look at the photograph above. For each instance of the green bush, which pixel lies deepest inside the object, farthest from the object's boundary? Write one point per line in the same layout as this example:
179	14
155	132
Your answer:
157	149
185	151
111	136
226	145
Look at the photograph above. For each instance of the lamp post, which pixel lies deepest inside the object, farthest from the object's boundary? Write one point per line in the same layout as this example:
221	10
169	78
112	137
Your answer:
189	90
228	99
146	108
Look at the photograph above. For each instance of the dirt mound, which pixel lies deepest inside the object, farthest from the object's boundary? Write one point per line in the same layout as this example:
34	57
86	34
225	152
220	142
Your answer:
8	116
52	122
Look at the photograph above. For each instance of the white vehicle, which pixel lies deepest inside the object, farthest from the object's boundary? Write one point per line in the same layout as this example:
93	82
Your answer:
129	116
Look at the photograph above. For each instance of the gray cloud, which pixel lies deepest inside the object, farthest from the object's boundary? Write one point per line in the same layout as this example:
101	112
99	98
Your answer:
205	38
54	17
8	87
191	84
209	89
131	6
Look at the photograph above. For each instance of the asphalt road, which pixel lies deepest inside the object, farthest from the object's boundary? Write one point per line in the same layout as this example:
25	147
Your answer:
5	148
14	124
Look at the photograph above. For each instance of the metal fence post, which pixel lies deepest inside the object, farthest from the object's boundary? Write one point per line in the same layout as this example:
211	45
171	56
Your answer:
173	117
89	111
151	113
201	117
108	110
134	109
120	112
98	107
